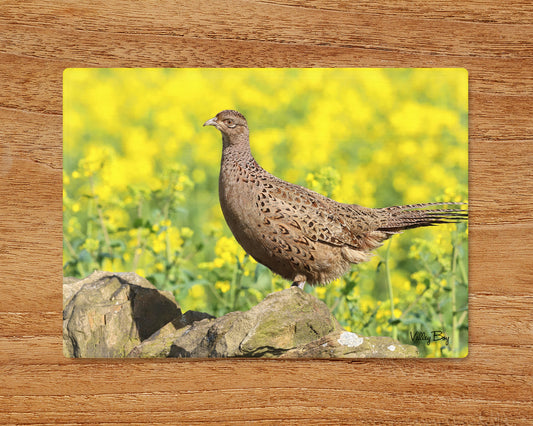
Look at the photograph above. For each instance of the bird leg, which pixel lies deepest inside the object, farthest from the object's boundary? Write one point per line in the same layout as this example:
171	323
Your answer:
299	284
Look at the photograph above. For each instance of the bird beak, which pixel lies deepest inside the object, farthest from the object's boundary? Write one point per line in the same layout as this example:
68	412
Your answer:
212	122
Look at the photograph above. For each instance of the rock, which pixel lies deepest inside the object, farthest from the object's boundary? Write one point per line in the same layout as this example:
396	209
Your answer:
118	315
71	286
158	344
286	324
344	344
282	321
108	314
216	338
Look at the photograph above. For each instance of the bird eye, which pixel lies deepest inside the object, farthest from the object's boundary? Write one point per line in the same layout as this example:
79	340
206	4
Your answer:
229	122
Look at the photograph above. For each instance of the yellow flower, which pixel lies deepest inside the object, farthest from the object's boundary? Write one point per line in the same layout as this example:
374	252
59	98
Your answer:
95	158
186	232
115	218
417	193
218	262
420	276
206	265
197	291
159	245
320	292
367	303
109	264
227	249
223	286
198	175
73	226
90	244
174	236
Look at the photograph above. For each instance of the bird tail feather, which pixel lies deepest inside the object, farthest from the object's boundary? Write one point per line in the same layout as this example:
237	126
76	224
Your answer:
410	216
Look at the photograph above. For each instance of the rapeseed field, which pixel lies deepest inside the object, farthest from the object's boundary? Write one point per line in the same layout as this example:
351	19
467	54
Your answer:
140	181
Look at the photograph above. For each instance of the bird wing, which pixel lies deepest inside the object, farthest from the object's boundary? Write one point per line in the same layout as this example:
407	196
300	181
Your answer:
321	219
318	218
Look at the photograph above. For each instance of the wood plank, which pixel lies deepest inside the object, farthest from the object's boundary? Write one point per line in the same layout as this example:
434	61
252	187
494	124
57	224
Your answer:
515	12
348	28
280	404
37	352
510	382
77	47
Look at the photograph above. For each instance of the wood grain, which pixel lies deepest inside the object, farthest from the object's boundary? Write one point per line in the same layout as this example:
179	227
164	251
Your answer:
493	40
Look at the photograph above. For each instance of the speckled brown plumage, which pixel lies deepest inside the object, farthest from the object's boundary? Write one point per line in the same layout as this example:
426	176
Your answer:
298	233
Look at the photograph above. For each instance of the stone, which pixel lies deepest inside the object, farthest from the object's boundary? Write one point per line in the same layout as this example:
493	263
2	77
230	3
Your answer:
123	315
344	344
280	322
158	344
108	314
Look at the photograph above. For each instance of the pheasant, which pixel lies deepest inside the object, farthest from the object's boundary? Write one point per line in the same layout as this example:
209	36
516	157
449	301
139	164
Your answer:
297	233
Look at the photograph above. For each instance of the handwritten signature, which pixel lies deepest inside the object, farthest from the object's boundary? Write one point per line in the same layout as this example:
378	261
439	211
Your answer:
434	336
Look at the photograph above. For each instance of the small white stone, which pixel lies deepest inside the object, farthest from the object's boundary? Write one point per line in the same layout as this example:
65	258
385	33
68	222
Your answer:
350	339
391	348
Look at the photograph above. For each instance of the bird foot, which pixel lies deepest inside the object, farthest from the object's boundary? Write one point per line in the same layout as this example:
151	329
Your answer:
300	285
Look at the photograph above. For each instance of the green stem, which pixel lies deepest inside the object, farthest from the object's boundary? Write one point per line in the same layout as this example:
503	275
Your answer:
107	241
72	252
461	319
136	252
236	284
453	284
169	261
90	209
462	270
391	294
218	297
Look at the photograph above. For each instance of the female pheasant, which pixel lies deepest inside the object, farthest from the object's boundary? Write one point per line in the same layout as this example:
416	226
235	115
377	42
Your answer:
300	234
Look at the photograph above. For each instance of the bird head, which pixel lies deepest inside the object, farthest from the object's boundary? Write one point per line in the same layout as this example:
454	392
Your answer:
232	125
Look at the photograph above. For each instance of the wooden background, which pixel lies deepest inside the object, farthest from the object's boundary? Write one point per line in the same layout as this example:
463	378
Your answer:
492	39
